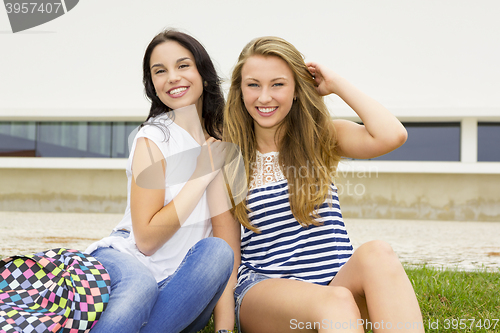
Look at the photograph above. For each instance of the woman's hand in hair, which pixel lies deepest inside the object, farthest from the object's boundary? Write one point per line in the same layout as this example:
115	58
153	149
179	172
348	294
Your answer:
326	80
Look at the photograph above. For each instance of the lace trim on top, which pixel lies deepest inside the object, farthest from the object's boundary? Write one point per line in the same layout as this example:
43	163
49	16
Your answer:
266	170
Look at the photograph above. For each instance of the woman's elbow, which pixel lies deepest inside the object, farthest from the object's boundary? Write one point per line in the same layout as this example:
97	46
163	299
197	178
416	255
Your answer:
395	140
146	248
401	137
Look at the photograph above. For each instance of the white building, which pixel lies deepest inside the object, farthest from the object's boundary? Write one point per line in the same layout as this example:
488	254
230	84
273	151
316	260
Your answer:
73	87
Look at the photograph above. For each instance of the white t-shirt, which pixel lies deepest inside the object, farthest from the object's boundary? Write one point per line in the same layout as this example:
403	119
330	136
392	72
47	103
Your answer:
180	150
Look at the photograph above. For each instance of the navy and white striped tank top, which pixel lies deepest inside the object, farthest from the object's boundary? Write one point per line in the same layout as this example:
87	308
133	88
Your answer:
284	248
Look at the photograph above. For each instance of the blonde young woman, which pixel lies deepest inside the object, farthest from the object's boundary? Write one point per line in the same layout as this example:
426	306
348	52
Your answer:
298	271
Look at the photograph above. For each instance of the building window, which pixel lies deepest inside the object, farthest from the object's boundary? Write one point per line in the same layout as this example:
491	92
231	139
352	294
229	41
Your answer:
65	139
428	142
120	138
17	138
488	142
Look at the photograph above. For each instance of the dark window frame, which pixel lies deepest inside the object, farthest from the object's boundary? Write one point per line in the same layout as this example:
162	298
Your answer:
484	152
53	147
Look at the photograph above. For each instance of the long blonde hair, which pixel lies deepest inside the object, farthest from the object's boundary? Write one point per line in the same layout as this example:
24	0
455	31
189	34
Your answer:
308	138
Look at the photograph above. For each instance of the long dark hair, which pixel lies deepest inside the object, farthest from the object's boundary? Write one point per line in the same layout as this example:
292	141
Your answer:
213	98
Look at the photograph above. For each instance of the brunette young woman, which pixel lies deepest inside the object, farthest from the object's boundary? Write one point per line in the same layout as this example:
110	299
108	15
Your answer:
167	273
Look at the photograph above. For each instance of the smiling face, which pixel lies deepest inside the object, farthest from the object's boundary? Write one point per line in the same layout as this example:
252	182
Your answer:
268	88
175	76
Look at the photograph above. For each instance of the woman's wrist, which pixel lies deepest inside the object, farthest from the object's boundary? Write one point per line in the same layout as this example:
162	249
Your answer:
336	84
224	331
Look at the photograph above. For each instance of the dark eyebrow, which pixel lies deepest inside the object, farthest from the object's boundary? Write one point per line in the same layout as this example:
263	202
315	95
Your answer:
178	61
182	59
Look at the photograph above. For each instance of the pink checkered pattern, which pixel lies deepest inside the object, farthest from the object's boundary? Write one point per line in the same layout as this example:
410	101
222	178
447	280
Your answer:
58	290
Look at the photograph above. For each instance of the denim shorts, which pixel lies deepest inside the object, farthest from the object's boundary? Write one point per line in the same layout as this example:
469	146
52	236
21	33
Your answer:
241	290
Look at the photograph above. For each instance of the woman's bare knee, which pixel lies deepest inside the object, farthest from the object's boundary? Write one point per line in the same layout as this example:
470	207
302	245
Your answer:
337	302
375	252
377	258
377	247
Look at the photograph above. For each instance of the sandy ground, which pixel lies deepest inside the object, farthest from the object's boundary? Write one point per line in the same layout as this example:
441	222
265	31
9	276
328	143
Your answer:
462	245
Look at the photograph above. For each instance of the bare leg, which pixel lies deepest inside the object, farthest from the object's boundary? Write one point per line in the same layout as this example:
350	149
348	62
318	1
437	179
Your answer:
282	305
381	289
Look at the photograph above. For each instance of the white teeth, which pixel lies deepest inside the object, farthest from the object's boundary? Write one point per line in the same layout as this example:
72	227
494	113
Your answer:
267	110
177	91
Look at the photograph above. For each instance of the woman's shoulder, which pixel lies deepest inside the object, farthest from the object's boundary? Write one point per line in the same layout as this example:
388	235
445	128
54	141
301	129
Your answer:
156	128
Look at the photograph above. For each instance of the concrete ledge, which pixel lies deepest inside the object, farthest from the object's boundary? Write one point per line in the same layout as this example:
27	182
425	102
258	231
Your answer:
453	197
363	194
63	190
62	163
345	167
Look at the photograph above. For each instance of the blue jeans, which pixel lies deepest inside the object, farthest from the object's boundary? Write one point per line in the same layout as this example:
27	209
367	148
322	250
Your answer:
183	302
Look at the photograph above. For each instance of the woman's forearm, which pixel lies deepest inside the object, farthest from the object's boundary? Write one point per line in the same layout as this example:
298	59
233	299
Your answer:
225	227
378	121
151	232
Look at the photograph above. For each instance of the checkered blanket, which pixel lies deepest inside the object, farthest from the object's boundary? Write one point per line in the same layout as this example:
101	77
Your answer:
59	290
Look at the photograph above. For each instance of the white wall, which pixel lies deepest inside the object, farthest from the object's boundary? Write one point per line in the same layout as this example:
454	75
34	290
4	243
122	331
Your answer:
425	60
410	55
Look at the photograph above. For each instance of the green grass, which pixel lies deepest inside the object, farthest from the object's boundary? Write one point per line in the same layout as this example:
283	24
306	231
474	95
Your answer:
446	296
